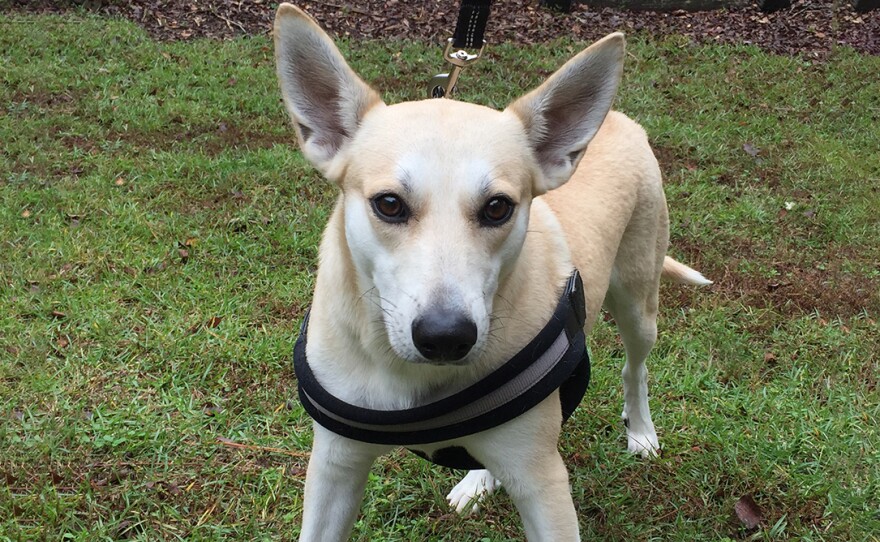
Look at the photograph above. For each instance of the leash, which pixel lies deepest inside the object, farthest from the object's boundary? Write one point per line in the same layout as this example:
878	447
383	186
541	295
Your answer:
472	18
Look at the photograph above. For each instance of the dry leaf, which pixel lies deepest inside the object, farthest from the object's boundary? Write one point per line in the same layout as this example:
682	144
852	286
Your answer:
748	512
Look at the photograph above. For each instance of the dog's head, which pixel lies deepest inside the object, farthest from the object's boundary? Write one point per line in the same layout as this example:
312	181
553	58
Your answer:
436	194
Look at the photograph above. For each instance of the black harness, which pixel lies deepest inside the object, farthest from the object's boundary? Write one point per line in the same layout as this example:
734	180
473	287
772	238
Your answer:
557	358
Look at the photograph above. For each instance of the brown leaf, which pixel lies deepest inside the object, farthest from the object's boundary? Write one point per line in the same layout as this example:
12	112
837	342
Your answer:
748	512
214	322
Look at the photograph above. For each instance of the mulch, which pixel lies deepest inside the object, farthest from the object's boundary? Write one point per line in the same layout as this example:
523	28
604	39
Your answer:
811	28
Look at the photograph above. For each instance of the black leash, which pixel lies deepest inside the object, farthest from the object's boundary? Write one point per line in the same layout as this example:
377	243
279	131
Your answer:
469	30
472	18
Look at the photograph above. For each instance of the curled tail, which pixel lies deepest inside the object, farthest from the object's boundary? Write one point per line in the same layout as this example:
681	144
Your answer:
679	272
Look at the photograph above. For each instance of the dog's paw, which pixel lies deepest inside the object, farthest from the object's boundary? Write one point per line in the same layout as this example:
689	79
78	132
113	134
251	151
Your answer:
465	497
644	444
641	437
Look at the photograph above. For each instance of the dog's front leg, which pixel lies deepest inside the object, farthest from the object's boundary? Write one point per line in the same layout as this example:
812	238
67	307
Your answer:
542	495
523	455
335	482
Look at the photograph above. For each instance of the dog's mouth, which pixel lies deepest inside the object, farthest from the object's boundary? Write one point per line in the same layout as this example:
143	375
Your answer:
444	363
436	339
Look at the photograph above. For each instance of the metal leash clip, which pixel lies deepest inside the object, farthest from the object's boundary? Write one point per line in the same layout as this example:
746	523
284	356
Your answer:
442	85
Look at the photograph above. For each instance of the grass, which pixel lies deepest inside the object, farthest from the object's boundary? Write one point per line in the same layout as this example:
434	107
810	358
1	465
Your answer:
158	239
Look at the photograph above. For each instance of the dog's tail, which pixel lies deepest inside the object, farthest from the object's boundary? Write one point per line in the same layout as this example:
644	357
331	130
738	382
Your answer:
679	272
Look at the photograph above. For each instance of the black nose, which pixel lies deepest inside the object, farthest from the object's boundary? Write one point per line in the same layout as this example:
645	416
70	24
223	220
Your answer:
444	335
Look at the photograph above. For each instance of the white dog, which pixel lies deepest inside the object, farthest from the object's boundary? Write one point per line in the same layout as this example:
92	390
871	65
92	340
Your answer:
455	233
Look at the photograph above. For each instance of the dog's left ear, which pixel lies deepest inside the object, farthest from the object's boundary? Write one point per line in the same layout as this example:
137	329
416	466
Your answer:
562	115
326	100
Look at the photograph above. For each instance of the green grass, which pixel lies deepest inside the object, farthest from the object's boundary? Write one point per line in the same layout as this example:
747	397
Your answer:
158	236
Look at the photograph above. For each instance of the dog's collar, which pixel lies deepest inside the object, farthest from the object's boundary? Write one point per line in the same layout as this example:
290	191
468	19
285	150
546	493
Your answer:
556	358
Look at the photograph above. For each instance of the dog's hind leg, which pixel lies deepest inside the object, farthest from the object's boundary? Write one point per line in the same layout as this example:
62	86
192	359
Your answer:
636	318
466	496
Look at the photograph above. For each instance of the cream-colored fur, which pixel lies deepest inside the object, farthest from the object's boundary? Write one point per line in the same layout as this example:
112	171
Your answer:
584	189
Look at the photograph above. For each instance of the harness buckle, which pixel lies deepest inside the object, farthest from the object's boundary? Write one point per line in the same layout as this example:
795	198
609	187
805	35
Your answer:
442	85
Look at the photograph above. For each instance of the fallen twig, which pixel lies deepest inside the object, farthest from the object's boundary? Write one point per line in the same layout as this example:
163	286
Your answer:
232	444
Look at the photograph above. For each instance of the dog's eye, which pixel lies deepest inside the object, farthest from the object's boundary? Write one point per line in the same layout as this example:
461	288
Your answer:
390	208
496	212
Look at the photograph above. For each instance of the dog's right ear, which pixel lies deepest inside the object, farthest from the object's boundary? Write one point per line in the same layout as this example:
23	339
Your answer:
326	100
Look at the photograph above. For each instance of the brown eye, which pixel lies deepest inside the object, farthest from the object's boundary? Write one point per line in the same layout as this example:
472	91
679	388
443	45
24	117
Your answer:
390	208
496	212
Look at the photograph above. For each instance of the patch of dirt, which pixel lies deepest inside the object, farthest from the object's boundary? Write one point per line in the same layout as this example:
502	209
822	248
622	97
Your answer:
788	273
802	282
809	27
211	140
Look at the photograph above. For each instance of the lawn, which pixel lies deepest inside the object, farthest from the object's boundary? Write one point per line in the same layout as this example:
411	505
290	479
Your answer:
158	234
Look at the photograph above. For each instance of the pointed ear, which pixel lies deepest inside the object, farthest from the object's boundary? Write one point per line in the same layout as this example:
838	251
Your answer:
562	115
325	99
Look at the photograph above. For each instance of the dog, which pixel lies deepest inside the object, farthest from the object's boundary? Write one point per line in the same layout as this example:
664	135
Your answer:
453	235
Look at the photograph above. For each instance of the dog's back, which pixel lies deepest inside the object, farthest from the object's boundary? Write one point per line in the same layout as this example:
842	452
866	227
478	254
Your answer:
613	212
